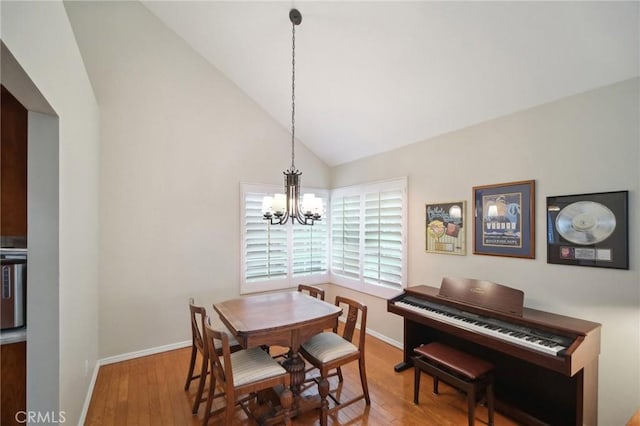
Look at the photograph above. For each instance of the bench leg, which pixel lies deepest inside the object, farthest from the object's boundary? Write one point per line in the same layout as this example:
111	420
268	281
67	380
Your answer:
416	384
471	398
490	402
435	384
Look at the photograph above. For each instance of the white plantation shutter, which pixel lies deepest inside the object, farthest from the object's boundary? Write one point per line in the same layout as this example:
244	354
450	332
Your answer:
310	247
368	237
265	246
383	248
345	235
280	256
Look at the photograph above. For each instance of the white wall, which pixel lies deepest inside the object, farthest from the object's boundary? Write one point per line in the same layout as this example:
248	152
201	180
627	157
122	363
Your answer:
40	37
43	303
177	140
586	143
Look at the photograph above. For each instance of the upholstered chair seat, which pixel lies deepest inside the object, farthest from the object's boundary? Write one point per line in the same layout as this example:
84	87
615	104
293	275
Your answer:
251	365
326	347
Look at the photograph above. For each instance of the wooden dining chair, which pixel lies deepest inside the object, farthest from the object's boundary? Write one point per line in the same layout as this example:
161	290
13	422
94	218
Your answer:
316	292
241	375
198	315
329	351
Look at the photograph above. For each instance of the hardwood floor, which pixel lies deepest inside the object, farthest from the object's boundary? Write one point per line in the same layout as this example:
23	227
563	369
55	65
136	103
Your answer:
150	391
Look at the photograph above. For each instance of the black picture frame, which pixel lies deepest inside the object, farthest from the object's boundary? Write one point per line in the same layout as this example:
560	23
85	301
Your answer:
589	229
504	219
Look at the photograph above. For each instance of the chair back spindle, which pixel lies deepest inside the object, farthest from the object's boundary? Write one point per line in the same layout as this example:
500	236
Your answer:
198	314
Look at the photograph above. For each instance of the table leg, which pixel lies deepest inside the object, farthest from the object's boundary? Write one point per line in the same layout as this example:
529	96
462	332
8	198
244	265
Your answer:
295	366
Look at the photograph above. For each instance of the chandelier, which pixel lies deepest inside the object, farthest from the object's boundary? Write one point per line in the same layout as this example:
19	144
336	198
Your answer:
282	207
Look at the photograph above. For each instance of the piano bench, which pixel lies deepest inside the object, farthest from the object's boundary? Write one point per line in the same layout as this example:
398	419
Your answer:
463	371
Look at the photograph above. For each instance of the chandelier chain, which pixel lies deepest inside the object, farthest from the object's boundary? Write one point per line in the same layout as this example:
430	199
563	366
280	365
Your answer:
282	207
293	93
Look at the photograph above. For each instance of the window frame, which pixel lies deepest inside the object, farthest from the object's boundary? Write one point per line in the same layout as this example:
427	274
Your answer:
289	281
360	284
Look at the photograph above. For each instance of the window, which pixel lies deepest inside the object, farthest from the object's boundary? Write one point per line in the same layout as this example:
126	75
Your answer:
280	256
368	233
310	248
265	247
360	242
383	237
345	235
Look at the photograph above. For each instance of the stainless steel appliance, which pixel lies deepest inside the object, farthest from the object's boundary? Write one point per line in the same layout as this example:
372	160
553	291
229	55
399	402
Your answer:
13	292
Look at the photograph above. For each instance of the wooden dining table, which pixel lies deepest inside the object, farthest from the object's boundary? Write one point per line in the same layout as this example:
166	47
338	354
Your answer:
284	319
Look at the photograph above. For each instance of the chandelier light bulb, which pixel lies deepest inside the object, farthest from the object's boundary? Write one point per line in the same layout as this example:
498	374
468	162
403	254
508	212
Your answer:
279	204
267	206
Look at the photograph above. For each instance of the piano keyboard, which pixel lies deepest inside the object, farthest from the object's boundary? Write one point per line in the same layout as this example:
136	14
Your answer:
529	338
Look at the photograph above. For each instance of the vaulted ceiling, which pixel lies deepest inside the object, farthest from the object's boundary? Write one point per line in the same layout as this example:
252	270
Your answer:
374	76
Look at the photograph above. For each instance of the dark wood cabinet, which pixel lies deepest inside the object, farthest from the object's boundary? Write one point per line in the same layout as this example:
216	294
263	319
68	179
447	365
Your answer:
13	159
13	392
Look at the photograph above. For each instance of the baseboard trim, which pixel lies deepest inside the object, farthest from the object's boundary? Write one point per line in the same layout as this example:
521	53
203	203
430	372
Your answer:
87	399
145	352
385	339
179	345
378	336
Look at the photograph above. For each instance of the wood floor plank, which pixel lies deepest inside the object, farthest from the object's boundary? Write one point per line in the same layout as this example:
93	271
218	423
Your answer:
109	414
122	400
97	405
143	397
154	404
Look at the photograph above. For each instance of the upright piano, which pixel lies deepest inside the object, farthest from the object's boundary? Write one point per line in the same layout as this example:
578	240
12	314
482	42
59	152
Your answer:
546	364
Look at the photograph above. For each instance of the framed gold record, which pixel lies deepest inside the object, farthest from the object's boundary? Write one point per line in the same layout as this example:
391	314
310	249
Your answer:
588	230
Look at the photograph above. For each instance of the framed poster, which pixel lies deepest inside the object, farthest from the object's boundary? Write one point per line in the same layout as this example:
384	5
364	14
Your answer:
588	230
504	219
445	230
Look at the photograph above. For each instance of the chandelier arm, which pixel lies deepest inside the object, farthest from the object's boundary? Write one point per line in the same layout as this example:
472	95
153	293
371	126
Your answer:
277	220
304	220
284	218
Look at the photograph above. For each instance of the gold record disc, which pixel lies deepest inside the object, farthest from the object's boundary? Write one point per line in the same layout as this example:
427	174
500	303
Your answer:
585	222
